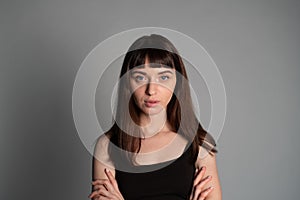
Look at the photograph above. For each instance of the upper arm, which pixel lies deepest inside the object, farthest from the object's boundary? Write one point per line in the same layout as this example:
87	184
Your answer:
209	161
101	159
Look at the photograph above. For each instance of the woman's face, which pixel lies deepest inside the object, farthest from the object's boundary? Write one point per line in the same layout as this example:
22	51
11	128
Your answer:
152	87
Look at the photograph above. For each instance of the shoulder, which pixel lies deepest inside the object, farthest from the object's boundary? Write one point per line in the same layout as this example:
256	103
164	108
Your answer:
206	158
101	147
101	159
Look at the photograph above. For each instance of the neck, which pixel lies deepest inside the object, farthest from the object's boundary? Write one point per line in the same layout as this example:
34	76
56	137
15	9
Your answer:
154	124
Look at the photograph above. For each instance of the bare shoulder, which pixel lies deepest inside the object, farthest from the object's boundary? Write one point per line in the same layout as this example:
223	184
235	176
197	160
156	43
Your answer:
208	159
101	148
101	159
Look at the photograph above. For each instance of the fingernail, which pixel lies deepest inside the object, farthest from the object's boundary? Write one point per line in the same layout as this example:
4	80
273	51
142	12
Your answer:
107	170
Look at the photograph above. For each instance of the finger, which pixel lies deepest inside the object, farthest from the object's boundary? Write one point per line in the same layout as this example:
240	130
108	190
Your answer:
111	178
97	187
204	181
192	194
105	182
109	175
200	175
195	175
94	194
101	193
104	193
200	187
102	198
196	172
96	198
205	193
195	182
109	187
197	192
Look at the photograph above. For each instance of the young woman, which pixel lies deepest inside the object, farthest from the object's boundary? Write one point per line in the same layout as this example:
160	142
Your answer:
156	148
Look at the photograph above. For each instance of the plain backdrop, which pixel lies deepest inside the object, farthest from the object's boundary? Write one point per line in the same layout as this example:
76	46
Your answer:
254	43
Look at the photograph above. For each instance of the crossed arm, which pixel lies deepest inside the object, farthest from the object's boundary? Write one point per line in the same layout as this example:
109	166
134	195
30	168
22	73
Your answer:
206	184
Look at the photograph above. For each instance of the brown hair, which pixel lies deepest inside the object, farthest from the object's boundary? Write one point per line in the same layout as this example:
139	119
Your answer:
180	113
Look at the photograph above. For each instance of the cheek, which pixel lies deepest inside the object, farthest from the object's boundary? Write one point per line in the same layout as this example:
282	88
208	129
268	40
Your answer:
169	88
138	93
167	94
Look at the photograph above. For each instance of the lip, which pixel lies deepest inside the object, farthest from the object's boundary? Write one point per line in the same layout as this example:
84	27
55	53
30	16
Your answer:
151	103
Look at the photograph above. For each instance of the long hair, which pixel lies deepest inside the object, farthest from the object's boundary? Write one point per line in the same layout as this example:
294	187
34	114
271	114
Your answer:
180	113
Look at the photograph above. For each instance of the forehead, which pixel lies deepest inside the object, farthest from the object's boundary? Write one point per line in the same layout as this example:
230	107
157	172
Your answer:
152	65
154	57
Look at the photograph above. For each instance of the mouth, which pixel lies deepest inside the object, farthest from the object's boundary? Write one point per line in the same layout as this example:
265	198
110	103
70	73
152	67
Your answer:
151	103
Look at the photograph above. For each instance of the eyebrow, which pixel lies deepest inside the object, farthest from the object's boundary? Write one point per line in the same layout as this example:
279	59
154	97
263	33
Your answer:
144	73
153	65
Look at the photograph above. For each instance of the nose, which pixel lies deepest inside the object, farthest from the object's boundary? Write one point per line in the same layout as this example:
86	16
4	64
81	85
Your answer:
151	89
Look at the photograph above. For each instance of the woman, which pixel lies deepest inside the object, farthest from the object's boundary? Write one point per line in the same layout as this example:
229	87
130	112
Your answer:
156	148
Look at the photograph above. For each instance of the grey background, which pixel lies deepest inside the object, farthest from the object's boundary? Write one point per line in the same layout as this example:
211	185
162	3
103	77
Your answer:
254	43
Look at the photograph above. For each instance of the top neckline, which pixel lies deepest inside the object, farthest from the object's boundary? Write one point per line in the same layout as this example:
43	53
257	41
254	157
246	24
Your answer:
186	149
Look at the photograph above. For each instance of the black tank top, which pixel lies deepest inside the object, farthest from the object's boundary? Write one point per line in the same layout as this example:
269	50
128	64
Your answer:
172	182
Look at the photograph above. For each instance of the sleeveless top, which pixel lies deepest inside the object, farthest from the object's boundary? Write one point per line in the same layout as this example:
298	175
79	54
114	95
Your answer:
173	181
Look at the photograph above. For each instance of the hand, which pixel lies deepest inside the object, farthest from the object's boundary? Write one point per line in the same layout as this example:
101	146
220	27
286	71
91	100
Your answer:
199	192
106	189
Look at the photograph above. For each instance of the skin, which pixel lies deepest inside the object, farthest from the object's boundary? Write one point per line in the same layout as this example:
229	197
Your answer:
206	183
150	83
156	84
152	89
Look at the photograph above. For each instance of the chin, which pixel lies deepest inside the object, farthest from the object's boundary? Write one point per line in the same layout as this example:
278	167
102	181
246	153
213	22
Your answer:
152	111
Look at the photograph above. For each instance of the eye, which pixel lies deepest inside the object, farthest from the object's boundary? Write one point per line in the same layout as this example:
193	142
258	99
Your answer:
139	78
164	77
